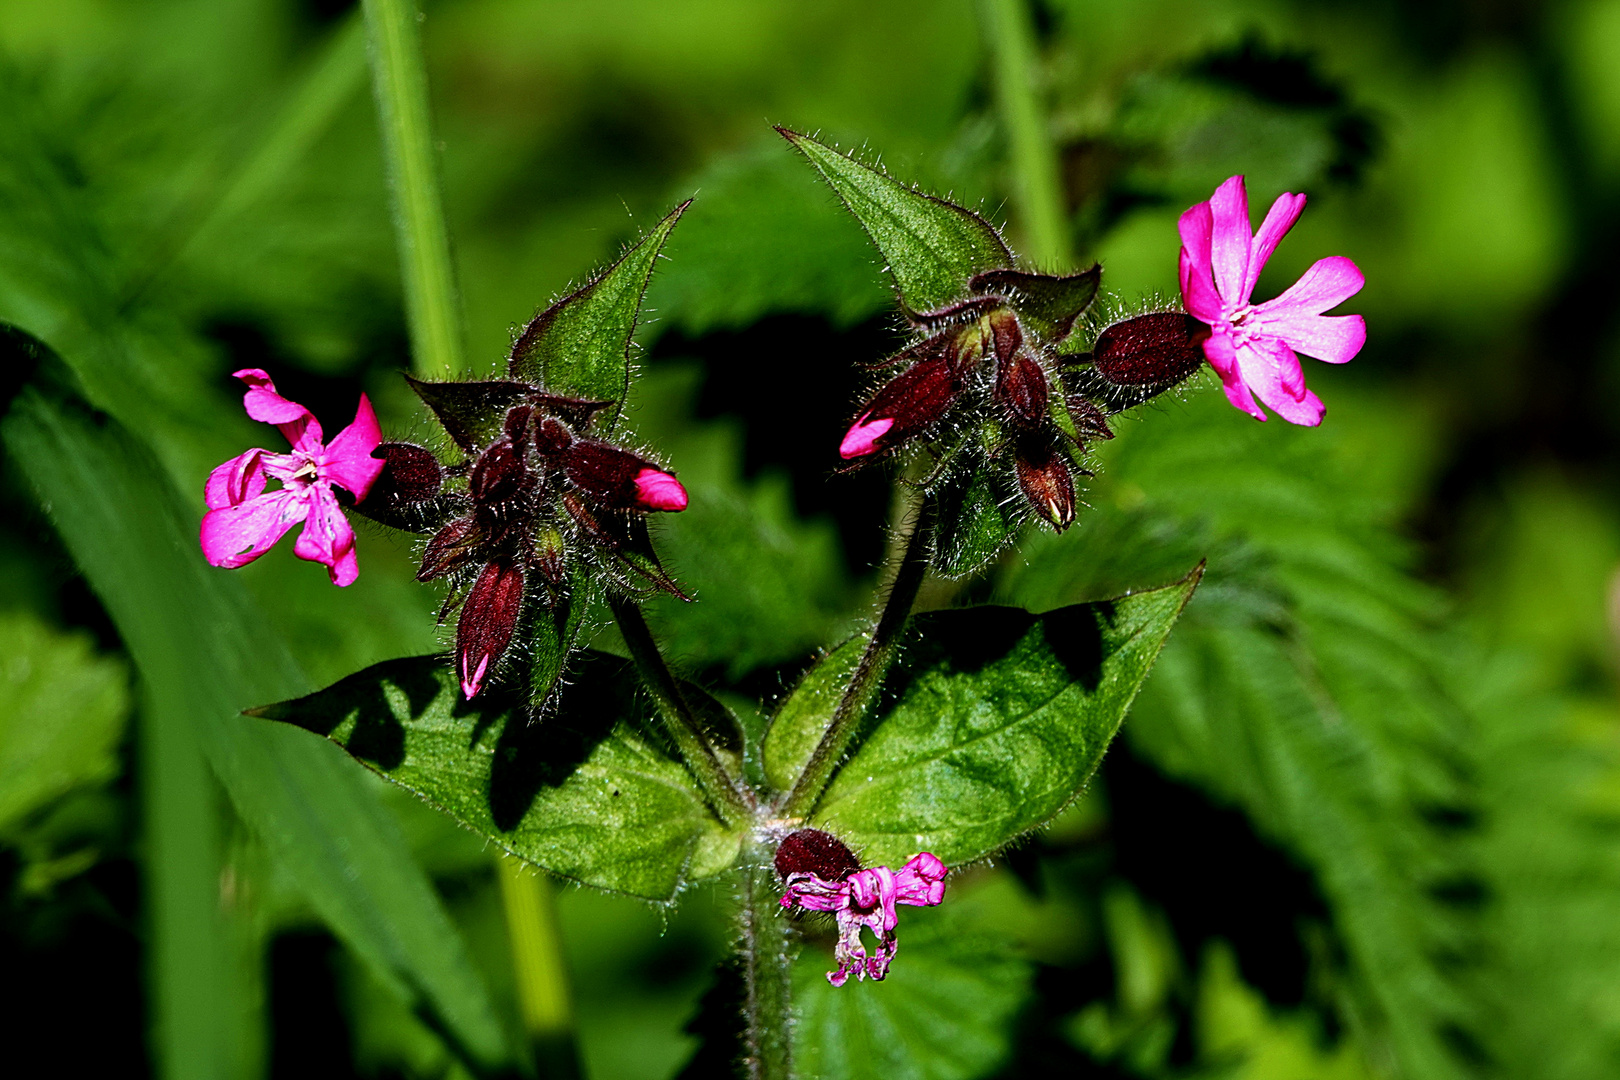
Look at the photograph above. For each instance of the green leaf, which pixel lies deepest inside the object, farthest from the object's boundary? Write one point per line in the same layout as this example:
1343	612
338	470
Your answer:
204	653
978	517
592	793
62	710
990	723
932	247
580	346
473	413
804	715
944	1013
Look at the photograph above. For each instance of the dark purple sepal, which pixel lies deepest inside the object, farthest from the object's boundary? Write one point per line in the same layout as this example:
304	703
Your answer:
488	617
452	548
1045	480
1090	422
499	477
956	314
811	851
623	538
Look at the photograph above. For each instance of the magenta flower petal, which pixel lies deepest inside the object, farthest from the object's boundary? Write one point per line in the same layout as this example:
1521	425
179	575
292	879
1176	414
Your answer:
328	538
1273	373
234	536
1198	291
262	402
862	439
348	462
235	482
921	882
1328	283
1223	358
658	490
1335	339
1279	219
1231	240
1197	229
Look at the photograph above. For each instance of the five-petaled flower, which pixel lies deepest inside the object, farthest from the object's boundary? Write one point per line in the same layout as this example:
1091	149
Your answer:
244	521
1252	346
822	874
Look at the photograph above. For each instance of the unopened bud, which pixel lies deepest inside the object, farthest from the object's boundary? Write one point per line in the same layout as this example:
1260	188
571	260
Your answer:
618	478
913	402
1160	349
488	618
550	557
1021	386
1045	481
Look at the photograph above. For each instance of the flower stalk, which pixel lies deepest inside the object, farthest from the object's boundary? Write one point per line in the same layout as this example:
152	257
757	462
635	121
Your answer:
875	661
766	940
730	797
538	967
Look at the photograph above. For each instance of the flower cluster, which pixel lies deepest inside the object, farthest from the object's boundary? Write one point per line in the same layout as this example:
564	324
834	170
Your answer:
244	520
822	874
540	494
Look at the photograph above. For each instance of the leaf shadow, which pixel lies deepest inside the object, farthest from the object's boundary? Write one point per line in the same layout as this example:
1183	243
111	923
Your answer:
532	756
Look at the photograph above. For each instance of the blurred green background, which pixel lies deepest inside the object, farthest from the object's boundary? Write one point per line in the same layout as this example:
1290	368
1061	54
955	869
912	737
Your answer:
1365	820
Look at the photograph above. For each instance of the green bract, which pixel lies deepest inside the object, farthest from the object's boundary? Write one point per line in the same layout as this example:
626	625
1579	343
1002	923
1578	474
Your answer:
594	794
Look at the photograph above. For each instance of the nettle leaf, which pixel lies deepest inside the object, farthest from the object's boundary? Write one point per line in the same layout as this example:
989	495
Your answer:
932	247
988	725
581	344
593	793
944	1012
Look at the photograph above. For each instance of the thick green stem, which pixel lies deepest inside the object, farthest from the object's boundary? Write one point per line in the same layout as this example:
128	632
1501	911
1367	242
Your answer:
767	955
1039	192
537	963
400	82
730	797
875	661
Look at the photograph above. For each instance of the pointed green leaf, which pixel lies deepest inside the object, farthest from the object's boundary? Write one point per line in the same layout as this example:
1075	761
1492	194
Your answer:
580	345
203	653
592	792
989	724
473	413
804	716
932	247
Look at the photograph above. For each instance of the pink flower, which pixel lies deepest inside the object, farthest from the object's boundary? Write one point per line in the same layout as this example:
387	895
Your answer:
857	898
1252	346
244	521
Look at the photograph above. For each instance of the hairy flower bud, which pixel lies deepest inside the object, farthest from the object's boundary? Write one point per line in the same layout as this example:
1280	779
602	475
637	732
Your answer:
1046	482
917	399
488	617
620	479
1021	386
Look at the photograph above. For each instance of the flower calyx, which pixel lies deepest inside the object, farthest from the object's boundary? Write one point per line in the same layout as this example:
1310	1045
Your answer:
821	873
538	502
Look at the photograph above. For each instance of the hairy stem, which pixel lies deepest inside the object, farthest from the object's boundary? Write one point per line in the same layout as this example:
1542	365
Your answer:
767	954
400	82
537	964
1039	194
730	798
875	661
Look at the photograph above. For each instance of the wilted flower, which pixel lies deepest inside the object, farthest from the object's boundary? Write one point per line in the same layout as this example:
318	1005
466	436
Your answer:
822	874
244	521
540	493
1252	346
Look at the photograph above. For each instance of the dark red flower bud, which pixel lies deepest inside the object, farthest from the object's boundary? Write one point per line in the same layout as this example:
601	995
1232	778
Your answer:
811	851
488	617
916	400
410	473
517	424
1151	350
1021	387
1044	478
499	475
618	478
451	548
552	437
